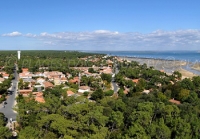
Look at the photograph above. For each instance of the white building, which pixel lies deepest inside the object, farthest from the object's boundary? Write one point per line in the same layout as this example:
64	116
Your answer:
18	52
83	89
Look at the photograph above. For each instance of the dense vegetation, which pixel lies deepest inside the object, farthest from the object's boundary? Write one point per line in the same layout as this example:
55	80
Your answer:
4	89
4	131
123	116
135	115
54	60
142	116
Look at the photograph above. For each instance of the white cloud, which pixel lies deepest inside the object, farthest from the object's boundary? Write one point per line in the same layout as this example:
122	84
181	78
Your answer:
30	35
13	34
113	40
104	39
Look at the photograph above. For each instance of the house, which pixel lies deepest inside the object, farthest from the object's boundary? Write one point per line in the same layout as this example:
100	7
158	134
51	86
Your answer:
126	91
74	80
54	74
47	84
25	92
135	80
40	80
39	97
43	68
70	93
146	91
106	70
57	81
25	75
2	72
5	76
83	89
25	70
63	80
175	101
38	74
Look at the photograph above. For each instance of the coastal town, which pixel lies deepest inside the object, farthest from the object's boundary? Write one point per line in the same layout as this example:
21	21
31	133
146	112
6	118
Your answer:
108	78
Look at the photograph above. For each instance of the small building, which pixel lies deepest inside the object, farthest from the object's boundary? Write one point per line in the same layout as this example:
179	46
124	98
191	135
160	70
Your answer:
5	76
38	74
25	92
175	101
57	81
135	80
63	80
83	89
48	85
39	97
70	93
146	91
40	80
25	70
75	80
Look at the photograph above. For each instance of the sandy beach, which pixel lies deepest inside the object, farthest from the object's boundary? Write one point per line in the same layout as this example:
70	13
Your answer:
186	74
196	66
168	66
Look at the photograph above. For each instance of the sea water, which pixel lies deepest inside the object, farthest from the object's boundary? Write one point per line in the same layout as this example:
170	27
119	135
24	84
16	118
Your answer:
190	57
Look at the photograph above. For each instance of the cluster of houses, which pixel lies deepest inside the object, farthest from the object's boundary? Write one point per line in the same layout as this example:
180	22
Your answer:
4	76
40	81
47	79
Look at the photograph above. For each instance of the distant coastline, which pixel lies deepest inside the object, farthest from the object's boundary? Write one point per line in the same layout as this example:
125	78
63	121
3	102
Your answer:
169	61
168	66
188	56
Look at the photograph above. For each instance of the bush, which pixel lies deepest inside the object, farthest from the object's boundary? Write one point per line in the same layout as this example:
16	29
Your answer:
86	94
109	93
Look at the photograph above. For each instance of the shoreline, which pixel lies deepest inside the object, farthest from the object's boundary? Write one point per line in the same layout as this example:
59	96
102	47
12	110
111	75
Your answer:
167	65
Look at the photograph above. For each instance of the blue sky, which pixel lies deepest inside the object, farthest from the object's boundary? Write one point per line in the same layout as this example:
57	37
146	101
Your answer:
100	24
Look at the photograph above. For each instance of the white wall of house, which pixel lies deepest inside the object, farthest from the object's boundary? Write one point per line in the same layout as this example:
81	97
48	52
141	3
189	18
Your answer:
83	90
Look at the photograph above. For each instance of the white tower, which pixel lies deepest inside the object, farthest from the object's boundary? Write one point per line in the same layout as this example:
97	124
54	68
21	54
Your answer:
18	52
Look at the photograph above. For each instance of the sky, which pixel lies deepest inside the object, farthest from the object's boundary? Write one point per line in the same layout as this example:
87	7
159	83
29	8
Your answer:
100	25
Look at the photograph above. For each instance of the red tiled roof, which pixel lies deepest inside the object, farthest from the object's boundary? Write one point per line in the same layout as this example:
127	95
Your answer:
125	91
75	80
70	93
24	69
25	91
63	78
40	99
48	84
175	101
5	75
135	80
84	87
40	79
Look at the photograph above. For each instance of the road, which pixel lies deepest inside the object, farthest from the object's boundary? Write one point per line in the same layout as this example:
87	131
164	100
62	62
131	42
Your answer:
114	84
8	110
